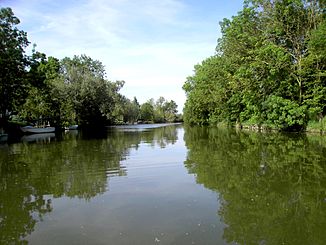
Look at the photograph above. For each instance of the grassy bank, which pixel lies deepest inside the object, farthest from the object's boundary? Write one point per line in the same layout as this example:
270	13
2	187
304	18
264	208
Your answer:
317	126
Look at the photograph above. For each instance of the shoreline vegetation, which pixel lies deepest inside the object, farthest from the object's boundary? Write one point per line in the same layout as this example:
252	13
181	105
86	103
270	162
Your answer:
268	72
44	91
312	128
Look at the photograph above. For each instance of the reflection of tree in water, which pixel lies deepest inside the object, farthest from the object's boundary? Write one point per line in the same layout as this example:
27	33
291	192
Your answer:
161	136
18	200
31	174
272	186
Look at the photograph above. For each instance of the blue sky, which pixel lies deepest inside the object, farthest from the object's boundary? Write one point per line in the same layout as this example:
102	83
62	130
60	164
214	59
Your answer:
151	44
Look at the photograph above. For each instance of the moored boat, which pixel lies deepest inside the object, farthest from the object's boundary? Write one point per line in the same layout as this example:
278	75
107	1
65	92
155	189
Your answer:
33	130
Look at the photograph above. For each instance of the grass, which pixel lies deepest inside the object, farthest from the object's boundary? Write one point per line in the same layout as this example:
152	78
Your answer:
317	126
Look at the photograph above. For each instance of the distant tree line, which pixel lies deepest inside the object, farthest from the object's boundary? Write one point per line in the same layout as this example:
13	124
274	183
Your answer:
160	110
268	70
43	89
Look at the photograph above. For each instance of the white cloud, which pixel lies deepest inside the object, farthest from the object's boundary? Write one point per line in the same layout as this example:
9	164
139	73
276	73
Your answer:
148	43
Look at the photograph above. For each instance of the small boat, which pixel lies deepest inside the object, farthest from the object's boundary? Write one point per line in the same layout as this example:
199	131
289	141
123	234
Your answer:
33	130
72	127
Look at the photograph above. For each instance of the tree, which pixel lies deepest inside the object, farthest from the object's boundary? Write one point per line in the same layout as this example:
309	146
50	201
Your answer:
92	96
133	111
271	51
170	111
208	92
126	111
12	63
42	104
314	66
147	111
159	110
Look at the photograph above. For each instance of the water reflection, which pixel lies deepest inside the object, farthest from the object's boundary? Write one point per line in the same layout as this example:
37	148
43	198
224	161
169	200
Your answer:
161	136
272	187
43	138
77	166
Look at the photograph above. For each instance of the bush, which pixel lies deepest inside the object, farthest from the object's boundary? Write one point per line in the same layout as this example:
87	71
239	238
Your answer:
285	114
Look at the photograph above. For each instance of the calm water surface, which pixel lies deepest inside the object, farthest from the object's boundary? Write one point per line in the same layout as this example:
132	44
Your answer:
164	185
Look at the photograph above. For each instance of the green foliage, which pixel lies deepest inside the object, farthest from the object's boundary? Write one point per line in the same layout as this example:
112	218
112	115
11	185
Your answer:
285	114
91	95
126	111
160	111
36	106
208	92
170	111
315	75
12	63
269	50
41	105
71	91
317	126
147	112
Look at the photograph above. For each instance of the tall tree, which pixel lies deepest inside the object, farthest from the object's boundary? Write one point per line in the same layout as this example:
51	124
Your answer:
268	68
93	96
170	111
42	104
147	111
315	73
12	63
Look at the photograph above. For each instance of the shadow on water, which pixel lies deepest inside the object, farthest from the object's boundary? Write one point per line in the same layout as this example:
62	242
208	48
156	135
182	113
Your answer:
75	165
272	187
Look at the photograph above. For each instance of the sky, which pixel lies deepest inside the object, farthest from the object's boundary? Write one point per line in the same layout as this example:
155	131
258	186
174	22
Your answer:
152	45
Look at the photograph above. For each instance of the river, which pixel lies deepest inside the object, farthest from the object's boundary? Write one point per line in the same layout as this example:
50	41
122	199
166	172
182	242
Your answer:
164	184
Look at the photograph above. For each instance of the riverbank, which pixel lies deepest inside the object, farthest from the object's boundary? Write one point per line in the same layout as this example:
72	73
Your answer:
316	127
312	127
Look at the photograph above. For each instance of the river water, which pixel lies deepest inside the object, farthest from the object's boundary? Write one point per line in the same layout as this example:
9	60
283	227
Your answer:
164	184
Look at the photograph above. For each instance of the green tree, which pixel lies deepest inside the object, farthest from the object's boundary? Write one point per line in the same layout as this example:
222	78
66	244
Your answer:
270	49
207	92
147	111
12	63
159	110
42	105
133	111
93	97
315	75
170	111
126	111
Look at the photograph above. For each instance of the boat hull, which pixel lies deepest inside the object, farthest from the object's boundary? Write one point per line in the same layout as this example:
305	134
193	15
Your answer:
32	130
